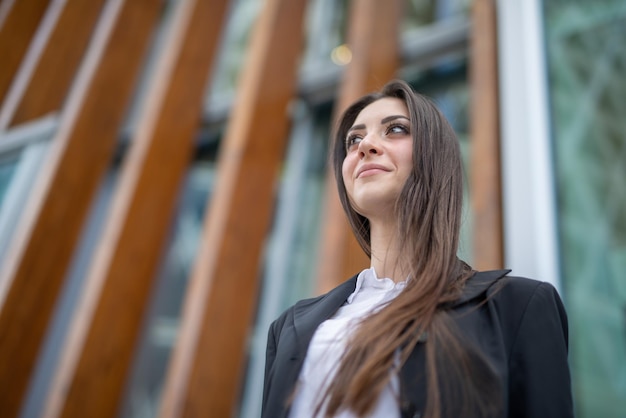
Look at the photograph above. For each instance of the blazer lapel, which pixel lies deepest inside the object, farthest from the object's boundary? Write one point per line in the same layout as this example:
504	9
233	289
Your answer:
308	314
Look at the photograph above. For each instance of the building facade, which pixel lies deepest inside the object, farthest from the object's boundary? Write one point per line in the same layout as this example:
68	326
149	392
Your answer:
165	192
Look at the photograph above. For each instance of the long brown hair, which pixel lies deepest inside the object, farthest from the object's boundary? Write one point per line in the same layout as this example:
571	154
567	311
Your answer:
428	210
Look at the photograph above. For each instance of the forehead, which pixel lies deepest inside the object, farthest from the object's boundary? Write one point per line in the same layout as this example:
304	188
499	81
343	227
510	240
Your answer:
381	108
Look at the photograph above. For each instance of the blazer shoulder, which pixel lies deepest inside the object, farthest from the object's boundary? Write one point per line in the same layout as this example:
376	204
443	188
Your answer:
302	303
535	329
521	301
518	291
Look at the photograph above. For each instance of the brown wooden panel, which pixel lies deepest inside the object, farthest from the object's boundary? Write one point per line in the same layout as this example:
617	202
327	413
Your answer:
485	136
34	269
205	374
45	75
373	38
120	279
16	31
5	7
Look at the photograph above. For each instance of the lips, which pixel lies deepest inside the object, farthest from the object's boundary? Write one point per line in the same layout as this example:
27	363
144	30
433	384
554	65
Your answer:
370	169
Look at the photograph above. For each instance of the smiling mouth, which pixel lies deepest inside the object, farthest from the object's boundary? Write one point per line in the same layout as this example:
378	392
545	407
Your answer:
371	172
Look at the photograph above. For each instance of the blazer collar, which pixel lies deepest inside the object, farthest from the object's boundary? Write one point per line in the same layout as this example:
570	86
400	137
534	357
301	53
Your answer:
478	284
309	313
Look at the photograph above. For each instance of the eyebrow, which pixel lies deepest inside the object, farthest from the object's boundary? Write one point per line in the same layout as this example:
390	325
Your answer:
382	122
393	117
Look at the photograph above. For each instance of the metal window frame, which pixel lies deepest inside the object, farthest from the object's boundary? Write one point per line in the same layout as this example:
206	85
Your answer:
528	183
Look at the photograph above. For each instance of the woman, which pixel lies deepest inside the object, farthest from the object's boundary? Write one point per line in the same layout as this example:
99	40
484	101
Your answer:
419	333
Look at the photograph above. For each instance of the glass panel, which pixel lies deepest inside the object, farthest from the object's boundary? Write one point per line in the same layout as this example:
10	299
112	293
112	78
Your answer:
291	258
325	31
68	299
159	333
587	63
7	168
230	60
420	13
326	26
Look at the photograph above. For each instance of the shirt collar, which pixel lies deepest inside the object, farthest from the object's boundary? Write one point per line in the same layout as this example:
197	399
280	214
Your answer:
368	278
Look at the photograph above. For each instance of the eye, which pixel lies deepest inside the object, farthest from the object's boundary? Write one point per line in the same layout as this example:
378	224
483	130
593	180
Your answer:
352	140
397	128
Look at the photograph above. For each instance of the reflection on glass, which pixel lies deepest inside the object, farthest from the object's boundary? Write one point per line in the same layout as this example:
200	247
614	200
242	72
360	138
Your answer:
325	32
230	61
587	63
420	13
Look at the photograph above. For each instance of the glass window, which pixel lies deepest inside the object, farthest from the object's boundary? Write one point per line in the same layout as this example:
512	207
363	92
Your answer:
326	26
420	13
587	63
68	298
232	52
325	33
291	255
162	319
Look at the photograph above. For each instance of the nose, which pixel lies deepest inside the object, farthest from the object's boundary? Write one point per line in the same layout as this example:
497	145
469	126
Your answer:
369	146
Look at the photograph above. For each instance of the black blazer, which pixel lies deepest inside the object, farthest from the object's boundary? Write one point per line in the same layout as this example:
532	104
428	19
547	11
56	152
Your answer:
519	324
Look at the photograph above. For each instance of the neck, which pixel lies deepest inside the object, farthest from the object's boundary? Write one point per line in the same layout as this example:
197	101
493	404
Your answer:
386	251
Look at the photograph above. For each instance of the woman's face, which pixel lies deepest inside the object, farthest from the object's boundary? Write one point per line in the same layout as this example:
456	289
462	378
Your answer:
379	157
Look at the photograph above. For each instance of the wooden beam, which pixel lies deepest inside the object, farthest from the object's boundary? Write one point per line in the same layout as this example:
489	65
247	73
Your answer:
120	280
34	269
19	21
48	68
485	171
373	38
5	7
204	376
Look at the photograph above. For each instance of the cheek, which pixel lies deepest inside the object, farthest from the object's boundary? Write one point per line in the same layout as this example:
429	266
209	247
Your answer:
346	172
408	166
407	161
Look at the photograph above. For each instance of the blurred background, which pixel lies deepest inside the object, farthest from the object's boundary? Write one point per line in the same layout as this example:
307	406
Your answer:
165	192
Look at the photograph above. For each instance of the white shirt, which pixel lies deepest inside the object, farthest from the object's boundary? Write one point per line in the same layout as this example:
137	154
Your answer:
328	343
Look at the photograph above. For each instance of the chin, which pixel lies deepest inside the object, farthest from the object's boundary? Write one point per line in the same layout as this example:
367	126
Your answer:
374	198
371	206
